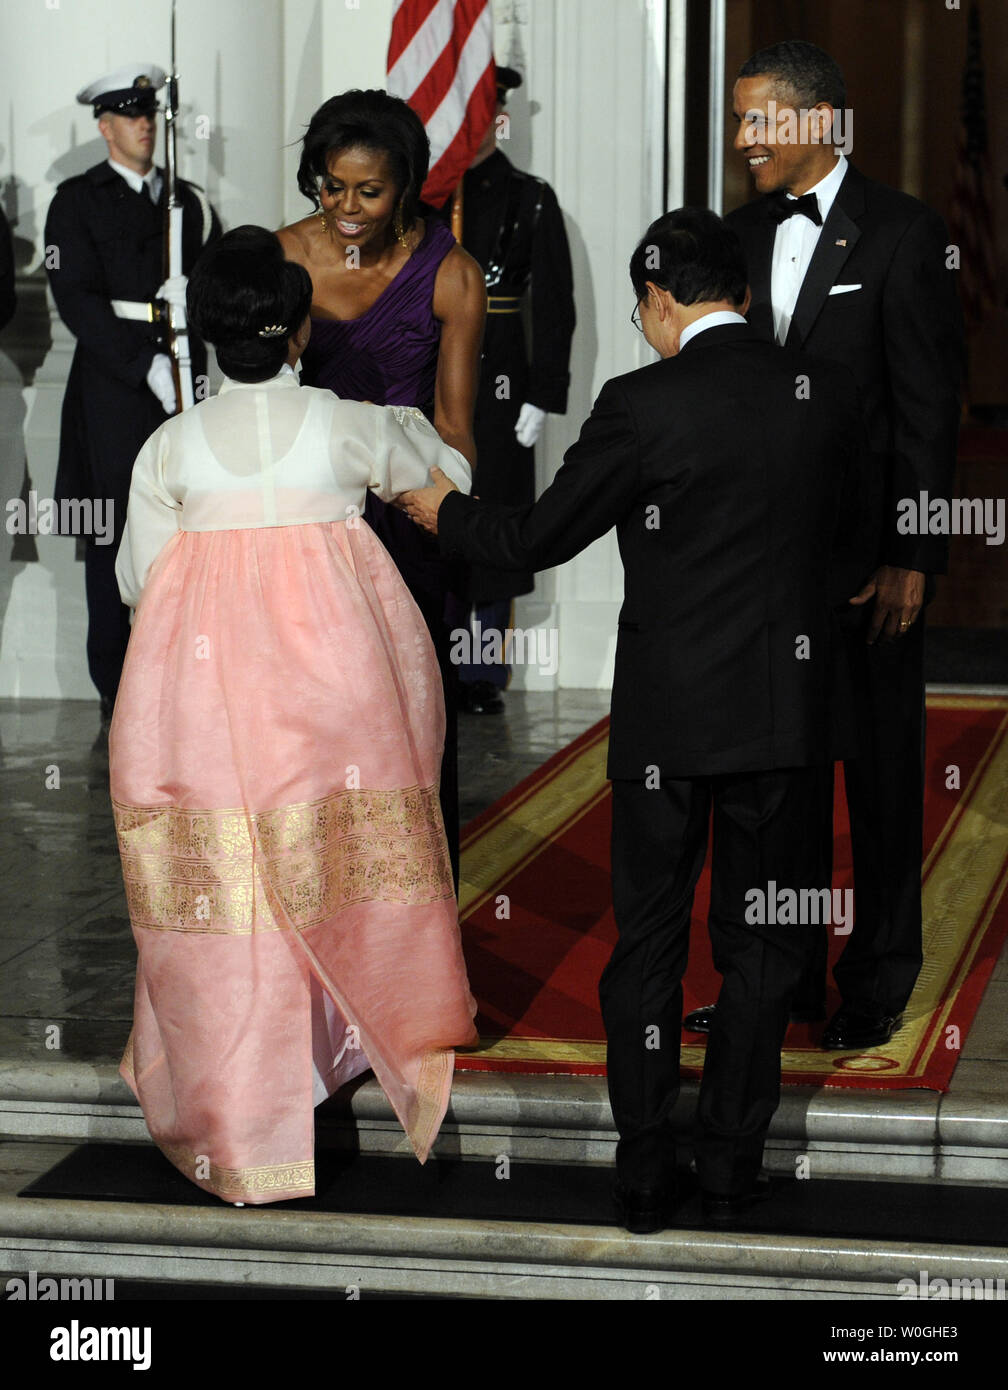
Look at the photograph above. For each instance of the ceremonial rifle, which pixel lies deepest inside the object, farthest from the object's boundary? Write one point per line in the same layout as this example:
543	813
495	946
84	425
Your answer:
178	330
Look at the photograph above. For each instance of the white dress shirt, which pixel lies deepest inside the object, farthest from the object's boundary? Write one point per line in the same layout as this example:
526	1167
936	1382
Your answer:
795	241
138	182
719	316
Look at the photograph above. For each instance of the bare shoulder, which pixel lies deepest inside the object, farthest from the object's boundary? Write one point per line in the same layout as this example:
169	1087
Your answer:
458	285
298	239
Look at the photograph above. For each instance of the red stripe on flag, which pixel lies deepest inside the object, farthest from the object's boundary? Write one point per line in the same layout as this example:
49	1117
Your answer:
456	159
436	85
410	16
428	95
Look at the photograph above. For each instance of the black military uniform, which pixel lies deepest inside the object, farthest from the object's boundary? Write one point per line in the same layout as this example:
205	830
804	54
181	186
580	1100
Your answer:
8	299
106	245
512	225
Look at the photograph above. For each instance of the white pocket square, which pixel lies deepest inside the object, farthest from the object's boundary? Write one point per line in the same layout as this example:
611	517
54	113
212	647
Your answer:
844	289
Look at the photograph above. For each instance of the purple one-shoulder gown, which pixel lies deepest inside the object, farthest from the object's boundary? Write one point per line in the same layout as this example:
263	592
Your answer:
389	356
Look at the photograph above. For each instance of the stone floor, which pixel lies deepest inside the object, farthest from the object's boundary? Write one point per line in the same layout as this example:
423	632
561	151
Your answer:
67	958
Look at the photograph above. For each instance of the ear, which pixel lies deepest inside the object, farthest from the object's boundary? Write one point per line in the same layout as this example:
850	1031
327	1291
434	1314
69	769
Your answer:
659	299
821	122
744	310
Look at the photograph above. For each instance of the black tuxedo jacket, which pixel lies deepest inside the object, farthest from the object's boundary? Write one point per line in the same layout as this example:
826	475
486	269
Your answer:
728	471
898	329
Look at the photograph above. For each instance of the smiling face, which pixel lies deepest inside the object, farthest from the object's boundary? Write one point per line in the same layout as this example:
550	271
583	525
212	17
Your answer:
359	196
782	147
130	139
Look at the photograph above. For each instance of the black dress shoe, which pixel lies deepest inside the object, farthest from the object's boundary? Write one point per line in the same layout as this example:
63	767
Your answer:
852	1029
719	1210
643	1210
699	1020
480	697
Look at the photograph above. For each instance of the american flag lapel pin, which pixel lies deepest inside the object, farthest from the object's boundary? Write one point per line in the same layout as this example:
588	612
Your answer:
842	241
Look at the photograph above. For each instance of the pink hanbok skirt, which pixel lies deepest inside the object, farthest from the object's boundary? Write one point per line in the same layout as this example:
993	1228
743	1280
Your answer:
274	761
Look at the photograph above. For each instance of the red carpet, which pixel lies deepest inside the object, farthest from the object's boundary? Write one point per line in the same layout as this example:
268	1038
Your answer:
538	927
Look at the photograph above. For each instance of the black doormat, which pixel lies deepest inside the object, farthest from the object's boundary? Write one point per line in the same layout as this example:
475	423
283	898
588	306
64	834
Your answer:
966	656
380	1185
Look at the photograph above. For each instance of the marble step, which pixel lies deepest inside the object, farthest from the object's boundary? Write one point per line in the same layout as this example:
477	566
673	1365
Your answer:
363	1255
915	1135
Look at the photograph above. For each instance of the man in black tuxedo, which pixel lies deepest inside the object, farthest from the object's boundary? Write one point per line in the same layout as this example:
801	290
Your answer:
726	470
849	270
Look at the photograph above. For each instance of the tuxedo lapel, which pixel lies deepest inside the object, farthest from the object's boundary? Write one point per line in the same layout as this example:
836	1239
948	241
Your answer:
837	240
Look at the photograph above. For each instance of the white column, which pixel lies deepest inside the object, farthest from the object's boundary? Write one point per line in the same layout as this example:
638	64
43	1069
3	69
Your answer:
593	101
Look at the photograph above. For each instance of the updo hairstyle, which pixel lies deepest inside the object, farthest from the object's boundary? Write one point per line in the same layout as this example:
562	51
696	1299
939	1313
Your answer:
248	300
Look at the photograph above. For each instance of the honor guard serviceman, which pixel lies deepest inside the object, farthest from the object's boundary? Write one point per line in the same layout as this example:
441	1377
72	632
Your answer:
512	225
8	298
105	247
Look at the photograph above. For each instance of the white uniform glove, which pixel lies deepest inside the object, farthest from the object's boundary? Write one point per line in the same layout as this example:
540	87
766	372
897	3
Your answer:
162	383
174	291
529	424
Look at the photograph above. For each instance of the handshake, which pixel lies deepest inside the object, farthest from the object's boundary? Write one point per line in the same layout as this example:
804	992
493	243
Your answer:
422	504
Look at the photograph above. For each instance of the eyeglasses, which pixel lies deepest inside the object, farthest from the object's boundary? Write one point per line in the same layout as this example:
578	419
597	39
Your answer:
635	318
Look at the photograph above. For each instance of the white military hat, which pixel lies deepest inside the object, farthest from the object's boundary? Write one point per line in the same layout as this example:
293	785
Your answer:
131	91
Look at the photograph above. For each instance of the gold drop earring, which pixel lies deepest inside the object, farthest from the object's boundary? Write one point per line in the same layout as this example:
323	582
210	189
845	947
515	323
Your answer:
398	228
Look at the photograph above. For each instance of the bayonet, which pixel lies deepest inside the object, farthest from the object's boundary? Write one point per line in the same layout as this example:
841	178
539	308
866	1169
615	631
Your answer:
178	332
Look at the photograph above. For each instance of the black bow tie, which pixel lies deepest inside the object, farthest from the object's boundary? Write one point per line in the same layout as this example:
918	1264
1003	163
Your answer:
782	207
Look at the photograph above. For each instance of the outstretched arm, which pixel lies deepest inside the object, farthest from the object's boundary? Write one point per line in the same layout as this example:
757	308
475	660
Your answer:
592	491
460	305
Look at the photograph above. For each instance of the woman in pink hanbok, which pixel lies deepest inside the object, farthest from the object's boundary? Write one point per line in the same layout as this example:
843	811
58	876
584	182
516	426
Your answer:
274	759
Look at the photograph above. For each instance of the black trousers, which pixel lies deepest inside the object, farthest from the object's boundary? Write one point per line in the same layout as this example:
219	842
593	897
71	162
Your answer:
880	963
108	618
764	831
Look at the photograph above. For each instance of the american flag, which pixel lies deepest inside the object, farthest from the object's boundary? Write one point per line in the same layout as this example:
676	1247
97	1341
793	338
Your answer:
440	61
971	217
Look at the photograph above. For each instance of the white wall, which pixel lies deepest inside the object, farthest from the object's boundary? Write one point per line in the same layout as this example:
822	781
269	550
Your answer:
589	119
228	56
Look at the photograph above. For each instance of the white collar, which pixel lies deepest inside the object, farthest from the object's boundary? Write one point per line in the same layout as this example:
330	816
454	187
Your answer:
828	187
712	320
284	377
151	181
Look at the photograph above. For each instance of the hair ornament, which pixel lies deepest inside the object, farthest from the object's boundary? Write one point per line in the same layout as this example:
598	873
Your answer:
273	330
